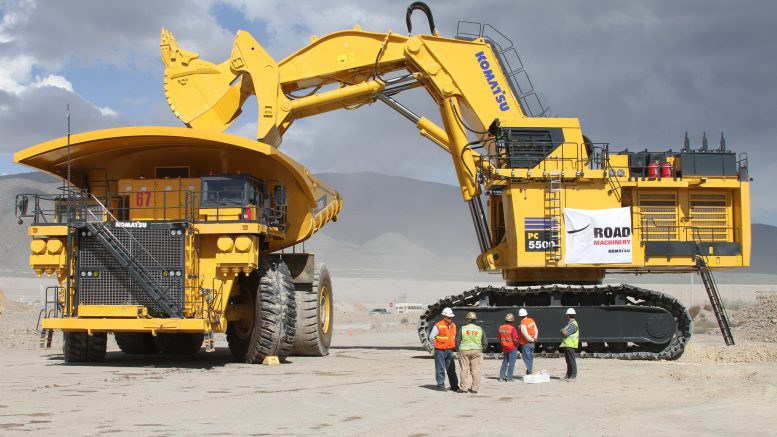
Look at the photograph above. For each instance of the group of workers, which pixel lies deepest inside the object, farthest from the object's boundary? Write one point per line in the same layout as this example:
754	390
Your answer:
470	342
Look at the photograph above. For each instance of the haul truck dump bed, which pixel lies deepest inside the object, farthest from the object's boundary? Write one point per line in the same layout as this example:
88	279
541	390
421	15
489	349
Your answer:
167	235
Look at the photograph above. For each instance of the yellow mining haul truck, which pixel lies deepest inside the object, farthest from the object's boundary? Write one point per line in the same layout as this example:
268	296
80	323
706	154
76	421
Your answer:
165	236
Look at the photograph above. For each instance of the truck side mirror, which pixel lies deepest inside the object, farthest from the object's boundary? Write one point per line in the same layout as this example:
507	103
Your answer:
22	203
280	195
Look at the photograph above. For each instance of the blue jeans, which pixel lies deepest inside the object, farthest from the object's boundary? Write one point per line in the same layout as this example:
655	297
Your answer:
443	361
527	353
508	365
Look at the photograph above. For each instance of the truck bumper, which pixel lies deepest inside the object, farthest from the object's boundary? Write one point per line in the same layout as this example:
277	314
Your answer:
152	326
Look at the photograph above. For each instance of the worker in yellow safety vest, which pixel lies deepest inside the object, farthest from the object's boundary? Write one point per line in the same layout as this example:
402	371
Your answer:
570	342
443	336
471	341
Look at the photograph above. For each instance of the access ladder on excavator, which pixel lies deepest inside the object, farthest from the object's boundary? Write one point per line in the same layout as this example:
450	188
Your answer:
714	296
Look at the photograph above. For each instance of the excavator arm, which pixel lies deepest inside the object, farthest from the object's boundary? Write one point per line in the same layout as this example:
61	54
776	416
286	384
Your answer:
462	77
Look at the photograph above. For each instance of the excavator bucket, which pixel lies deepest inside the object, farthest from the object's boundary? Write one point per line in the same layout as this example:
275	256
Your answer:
201	94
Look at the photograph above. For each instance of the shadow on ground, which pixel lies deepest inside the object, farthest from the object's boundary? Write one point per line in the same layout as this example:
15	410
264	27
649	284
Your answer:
380	348
202	360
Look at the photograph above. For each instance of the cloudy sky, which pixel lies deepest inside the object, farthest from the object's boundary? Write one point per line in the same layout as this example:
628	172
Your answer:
638	74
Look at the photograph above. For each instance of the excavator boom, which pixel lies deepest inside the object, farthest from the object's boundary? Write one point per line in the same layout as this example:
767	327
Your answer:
353	62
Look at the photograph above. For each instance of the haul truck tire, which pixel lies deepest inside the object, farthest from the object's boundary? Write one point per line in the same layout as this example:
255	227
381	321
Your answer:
269	328
314	316
79	347
136	343
179	344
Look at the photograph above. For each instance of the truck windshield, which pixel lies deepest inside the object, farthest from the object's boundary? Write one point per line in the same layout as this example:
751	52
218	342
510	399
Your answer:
223	191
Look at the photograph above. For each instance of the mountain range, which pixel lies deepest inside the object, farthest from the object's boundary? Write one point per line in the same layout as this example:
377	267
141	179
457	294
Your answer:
389	226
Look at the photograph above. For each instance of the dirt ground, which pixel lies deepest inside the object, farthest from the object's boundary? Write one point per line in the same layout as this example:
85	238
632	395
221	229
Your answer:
376	381
381	384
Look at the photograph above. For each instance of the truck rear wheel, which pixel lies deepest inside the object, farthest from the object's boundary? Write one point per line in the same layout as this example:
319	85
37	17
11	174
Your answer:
136	343
79	347
314	316
269	329
179	344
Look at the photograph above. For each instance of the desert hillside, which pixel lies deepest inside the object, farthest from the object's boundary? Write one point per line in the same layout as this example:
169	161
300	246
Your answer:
390	226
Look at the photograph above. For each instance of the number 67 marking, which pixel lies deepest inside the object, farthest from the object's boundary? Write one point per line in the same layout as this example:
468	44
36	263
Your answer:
143	199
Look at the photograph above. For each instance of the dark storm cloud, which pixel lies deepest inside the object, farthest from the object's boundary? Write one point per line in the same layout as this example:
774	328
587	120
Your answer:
119	33
638	75
39	114
40	38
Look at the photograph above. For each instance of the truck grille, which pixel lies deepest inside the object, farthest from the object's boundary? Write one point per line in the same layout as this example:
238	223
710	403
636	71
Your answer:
101	280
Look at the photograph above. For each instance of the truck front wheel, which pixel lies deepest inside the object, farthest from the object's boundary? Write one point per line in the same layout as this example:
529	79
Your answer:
267	330
79	347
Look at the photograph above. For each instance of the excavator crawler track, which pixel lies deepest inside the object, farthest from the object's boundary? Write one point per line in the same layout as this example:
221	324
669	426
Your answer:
625	299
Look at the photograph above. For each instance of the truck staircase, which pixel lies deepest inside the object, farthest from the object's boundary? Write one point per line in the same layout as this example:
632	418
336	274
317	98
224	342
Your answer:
553	218
51	309
717	305
127	260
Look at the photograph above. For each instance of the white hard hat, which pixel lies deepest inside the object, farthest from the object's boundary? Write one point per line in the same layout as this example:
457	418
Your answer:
447	312
571	311
522	312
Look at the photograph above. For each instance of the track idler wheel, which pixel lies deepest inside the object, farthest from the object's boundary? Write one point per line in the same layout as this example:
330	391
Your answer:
79	347
315	309
136	343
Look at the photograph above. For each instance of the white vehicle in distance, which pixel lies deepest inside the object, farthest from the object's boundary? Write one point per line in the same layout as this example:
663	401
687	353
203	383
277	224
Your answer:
402	308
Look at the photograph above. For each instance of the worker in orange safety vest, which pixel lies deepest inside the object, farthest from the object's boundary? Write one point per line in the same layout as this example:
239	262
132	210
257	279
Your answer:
443	336
508	338
526	338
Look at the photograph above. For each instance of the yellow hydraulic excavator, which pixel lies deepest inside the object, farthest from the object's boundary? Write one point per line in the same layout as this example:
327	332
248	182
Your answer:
560	210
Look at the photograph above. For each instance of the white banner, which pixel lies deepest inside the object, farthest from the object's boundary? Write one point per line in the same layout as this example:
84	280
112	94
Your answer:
601	236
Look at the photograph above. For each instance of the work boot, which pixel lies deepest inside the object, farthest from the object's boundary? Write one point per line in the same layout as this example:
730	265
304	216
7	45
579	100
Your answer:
441	388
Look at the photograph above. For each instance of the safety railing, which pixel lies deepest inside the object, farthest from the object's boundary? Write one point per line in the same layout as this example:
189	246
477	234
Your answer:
512	66
52	306
679	233
570	157
743	168
166	206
